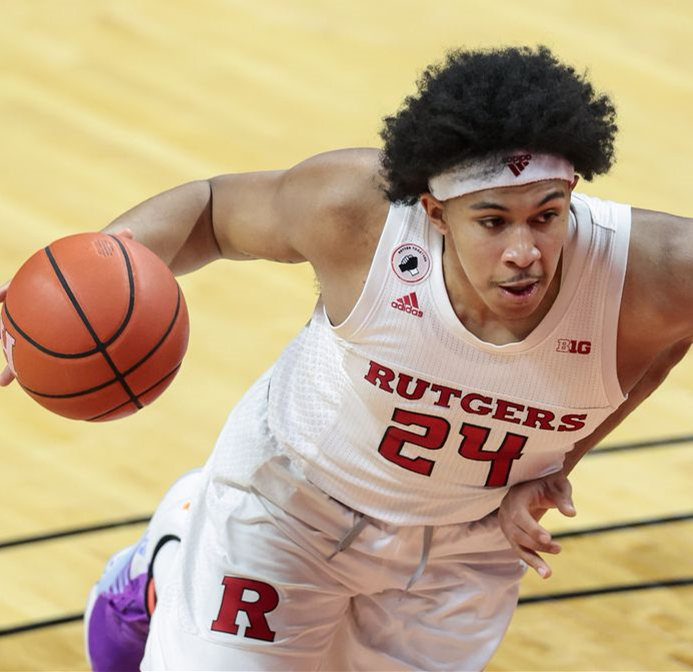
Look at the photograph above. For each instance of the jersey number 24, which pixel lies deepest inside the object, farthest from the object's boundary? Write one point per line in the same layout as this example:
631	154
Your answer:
436	431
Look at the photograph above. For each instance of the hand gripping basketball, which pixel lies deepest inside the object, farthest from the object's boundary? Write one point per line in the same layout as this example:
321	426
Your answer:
7	375
94	326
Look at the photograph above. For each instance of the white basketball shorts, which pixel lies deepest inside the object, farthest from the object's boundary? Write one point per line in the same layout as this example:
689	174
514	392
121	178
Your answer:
256	585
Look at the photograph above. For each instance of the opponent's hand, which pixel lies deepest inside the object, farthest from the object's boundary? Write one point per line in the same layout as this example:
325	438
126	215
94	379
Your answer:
6	377
521	509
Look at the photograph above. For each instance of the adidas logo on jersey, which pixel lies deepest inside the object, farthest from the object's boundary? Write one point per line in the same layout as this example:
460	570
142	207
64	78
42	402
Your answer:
517	163
408	304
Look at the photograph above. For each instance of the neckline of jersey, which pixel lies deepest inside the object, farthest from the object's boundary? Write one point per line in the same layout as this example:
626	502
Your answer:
574	255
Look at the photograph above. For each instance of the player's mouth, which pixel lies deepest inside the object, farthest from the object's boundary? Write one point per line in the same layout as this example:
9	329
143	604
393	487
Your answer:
520	292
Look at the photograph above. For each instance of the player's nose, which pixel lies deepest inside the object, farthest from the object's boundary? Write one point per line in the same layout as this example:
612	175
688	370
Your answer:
521	249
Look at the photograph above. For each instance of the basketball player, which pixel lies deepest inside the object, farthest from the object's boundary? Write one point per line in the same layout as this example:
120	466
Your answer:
373	499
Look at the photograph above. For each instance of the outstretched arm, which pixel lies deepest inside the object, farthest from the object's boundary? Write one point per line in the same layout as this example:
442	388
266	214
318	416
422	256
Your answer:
525	503
316	211
283	215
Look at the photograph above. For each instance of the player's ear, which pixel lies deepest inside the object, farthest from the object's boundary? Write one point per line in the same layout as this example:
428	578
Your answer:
435	210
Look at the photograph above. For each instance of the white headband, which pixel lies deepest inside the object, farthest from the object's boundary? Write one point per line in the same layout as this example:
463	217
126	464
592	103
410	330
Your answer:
508	171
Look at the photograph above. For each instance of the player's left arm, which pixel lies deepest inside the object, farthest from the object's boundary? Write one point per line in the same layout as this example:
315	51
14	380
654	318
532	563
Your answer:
659	283
525	503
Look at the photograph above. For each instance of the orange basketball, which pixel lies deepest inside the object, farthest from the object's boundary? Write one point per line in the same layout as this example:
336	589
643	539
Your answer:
94	326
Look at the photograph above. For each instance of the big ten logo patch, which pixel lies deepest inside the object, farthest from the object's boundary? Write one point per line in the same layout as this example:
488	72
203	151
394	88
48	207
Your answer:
573	346
411	263
244	606
7	345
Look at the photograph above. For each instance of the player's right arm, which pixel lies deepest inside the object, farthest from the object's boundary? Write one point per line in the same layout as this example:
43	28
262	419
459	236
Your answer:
327	210
294	215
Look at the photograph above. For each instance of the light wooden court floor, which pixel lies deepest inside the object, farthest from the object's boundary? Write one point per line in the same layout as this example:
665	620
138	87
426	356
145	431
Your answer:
105	103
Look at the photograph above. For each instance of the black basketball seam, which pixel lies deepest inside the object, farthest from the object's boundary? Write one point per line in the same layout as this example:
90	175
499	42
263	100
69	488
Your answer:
38	346
131	284
149	389
79	355
169	329
101	415
99	345
126	373
71	394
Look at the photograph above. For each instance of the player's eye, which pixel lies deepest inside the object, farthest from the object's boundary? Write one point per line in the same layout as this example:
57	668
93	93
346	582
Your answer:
491	222
546	217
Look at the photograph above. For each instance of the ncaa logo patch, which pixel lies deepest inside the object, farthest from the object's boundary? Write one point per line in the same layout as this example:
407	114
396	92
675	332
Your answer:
411	263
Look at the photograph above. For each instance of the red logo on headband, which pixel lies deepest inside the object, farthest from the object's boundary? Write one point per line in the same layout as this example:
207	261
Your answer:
518	163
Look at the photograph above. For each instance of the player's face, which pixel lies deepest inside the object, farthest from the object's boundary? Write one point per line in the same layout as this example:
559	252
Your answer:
507	247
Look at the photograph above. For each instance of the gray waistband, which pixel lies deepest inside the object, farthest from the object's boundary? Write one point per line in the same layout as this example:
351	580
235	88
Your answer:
353	532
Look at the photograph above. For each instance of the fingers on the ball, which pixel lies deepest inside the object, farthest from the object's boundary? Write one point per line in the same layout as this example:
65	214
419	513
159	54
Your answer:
6	377
3	290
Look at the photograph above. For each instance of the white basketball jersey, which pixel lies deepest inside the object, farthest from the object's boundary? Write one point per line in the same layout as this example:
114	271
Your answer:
401	413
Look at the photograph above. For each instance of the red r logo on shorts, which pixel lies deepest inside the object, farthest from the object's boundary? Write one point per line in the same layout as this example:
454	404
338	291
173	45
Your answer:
254	599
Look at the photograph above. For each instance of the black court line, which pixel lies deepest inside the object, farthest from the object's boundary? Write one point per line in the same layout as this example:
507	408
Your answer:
38	625
532	599
635	445
606	590
625	446
623	526
125	522
140	520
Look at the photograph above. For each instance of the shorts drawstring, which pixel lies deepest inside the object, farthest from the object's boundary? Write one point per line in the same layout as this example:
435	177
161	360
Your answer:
427	536
350	535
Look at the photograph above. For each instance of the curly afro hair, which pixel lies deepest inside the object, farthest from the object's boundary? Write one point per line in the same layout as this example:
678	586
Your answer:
480	103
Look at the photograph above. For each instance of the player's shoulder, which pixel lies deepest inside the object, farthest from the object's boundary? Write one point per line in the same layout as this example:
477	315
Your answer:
661	244
658	242
658	287
343	206
659	278
343	182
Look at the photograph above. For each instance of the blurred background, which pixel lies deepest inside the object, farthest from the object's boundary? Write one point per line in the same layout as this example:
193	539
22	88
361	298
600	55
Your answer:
104	103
